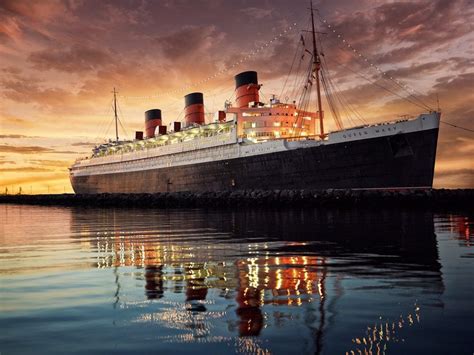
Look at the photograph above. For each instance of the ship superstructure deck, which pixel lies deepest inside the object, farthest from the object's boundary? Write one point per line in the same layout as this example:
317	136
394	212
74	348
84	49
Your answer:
222	161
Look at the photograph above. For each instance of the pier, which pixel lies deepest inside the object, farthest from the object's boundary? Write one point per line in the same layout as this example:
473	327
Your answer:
433	199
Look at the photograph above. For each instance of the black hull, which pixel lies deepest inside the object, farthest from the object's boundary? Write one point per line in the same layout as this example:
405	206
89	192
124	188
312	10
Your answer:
399	161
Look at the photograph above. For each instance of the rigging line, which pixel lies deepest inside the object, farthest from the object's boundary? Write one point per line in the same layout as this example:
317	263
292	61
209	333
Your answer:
456	126
403	86
302	100
108	127
298	73
383	74
357	115
346	102
103	122
330	95
178	118
262	94
304	81
330	101
346	105
340	97
289	73
420	103
297	53
336	95
327	89
295	87
379	85
123	128
231	97
120	121
409	94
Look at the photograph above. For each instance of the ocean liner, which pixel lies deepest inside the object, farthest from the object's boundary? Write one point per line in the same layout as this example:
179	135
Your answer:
263	145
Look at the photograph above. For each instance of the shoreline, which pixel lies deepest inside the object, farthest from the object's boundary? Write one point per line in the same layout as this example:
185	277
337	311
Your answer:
433	199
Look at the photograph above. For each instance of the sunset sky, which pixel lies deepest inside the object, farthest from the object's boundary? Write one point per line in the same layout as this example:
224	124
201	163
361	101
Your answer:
60	60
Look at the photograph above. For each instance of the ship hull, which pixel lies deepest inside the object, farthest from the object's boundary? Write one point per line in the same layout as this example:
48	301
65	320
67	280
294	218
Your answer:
398	161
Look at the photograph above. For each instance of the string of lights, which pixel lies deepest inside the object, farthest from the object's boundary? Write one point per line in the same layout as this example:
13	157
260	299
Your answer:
410	90
371	64
224	70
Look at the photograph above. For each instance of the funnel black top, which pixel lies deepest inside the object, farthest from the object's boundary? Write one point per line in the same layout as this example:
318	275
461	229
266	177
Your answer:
193	98
245	78
152	114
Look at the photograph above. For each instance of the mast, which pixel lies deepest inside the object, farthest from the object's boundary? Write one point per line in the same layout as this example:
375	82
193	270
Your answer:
115	113
316	68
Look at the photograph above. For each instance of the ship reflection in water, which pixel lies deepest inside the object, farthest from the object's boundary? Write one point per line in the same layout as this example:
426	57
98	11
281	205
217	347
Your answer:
291	281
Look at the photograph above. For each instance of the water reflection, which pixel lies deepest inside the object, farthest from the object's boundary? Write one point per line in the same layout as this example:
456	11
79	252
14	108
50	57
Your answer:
460	227
377	338
260	259
287	281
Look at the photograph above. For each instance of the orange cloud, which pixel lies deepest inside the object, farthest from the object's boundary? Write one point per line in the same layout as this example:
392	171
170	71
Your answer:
61	59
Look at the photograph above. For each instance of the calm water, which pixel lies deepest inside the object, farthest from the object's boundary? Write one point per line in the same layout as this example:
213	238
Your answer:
219	282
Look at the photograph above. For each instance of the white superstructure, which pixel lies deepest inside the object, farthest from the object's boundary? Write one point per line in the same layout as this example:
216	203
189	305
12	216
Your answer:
224	144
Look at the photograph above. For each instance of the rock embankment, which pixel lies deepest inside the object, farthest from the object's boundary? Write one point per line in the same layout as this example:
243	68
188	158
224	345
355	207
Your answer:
432	198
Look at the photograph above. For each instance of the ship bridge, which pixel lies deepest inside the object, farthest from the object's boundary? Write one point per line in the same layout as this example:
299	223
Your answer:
262	121
274	120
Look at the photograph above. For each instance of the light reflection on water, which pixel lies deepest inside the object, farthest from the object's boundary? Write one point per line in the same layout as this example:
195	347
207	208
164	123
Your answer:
253	282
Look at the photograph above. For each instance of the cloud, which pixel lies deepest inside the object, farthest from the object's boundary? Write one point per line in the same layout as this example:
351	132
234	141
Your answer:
460	83
256	12
413	27
12	70
416	70
9	29
77	58
22	18
45	177
455	173
13	122
27	90
459	178
84	144
190	42
34	9
61	59
123	13
25	169
4	148
15	136
48	162
24	150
